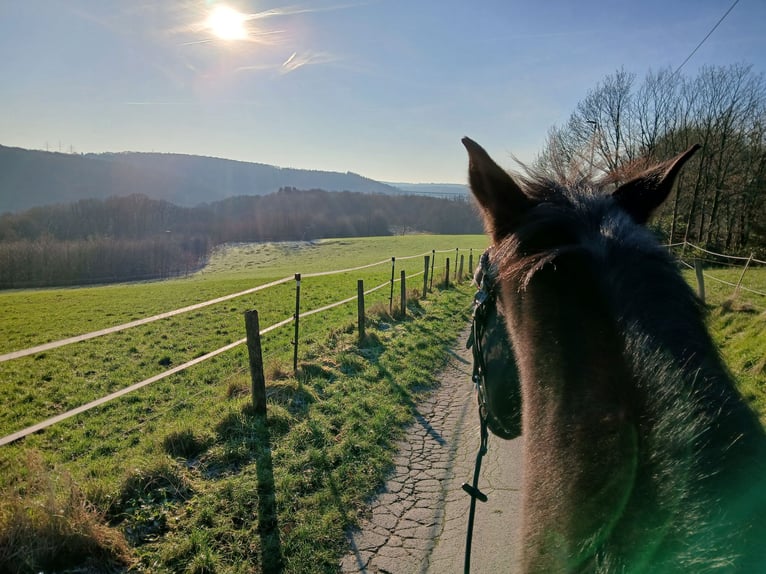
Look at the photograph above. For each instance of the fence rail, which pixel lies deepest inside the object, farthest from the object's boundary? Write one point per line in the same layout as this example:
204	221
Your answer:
131	388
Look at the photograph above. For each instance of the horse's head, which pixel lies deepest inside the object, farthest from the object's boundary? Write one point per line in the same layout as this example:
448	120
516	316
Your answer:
580	276
561	237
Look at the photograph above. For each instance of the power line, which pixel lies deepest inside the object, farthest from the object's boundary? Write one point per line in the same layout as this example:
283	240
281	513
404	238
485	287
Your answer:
678	69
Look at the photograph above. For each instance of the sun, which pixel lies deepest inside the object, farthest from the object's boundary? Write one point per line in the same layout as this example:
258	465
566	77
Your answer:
227	23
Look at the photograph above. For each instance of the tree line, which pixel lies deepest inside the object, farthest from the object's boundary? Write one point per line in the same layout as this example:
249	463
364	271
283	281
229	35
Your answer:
136	237
621	125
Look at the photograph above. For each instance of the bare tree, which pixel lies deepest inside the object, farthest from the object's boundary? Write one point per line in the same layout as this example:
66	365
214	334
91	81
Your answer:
719	199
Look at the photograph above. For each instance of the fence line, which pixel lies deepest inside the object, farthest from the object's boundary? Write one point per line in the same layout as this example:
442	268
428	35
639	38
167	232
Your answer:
719	280
103	400
117	328
110	397
413	256
354	298
129	389
338	271
737	257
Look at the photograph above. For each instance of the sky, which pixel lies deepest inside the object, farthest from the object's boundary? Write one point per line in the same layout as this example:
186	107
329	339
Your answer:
382	88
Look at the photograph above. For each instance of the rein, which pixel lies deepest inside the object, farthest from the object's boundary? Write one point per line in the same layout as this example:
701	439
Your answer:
483	298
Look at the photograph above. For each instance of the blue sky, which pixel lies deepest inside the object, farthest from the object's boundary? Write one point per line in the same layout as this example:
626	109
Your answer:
382	88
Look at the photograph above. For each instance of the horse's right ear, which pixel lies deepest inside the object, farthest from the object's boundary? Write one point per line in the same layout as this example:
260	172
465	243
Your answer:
501	199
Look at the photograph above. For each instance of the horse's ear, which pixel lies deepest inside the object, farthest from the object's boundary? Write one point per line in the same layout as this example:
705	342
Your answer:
499	196
645	193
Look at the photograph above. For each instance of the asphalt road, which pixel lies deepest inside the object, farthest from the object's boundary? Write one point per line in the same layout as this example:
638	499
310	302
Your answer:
417	523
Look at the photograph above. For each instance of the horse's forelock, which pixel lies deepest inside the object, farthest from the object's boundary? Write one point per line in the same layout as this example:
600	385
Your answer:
559	224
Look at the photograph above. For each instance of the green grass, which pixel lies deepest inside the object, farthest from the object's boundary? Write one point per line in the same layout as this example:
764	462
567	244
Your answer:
188	443
223	490
33	317
39	386
737	321
343	412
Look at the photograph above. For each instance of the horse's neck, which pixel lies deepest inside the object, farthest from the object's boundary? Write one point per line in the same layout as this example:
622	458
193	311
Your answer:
616	393
580	442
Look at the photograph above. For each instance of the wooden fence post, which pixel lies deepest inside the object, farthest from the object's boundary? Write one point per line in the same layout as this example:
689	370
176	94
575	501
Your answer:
253	330
404	294
391	295
470	262
297	317
446	273
360	308
700	279
742	276
457	251
460	272
425	276
433	260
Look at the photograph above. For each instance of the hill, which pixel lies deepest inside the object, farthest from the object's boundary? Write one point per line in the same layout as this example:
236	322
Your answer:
30	178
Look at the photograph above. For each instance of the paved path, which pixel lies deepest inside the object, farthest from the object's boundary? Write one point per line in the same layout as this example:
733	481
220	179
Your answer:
418	522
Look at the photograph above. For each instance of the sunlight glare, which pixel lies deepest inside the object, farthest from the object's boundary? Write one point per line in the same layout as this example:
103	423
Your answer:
227	23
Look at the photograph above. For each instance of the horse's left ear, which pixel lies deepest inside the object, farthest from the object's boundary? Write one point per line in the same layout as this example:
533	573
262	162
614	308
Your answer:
645	193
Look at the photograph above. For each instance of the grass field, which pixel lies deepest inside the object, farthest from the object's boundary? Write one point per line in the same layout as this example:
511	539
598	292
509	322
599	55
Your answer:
738	325
105	452
180	475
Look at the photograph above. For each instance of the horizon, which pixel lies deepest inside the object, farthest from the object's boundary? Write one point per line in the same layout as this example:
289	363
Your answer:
88	154
385	90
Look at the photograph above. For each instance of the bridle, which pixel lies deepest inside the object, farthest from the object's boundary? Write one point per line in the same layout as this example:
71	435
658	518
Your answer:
482	301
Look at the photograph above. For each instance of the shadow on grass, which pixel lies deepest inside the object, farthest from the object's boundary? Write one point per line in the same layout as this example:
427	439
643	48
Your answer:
248	439
268	525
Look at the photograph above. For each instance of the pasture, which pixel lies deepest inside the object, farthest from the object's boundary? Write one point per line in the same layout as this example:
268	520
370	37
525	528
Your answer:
738	326
185	416
181	469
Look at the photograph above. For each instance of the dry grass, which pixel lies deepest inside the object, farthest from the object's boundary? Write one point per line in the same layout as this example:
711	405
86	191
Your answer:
46	523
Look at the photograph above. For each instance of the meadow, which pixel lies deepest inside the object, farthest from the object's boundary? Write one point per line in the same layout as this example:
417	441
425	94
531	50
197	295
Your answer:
181	475
737	321
102	450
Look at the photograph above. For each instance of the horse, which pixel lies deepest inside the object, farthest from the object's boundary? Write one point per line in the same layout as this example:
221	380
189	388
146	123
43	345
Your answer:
640	454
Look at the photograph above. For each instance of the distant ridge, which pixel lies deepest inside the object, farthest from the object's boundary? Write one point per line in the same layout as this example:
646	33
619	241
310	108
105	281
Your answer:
31	178
443	190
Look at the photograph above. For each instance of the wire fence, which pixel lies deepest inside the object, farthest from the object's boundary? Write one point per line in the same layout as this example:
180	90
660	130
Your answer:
728	270
10	438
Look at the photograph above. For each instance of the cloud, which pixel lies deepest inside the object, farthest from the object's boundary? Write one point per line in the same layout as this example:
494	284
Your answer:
307	58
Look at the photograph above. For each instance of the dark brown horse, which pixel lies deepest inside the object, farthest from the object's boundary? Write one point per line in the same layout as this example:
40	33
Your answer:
640	454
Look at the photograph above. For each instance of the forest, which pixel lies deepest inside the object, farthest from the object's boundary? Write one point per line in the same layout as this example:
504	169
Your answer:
720	202
136	237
